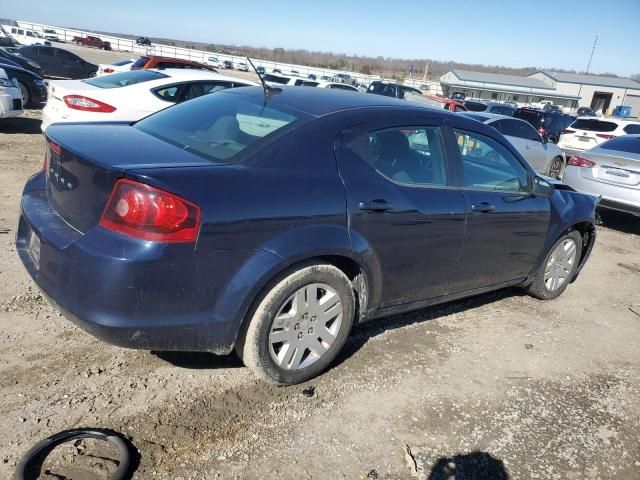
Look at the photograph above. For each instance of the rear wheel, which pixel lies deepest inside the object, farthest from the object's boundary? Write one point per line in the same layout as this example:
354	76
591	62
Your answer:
300	325
559	267
556	169
26	96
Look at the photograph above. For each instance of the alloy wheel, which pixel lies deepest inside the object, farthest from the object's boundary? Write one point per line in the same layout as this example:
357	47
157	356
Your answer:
555	170
560	265
305	326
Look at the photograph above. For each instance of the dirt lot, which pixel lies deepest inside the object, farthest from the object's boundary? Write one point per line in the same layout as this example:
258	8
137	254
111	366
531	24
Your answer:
499	386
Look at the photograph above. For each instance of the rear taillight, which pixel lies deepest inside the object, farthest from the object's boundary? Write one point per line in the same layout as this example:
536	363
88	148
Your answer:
567	131
79	102
51	147
142	211
580	162
605	136
108	70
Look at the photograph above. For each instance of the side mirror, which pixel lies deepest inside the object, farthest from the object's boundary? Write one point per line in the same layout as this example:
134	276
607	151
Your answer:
541	188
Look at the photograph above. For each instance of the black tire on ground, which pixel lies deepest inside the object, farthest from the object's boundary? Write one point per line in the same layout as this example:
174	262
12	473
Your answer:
26	96
253	345
538	289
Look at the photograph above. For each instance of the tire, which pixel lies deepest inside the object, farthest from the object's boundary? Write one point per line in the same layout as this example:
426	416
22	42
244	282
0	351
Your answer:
26	96
300	355
556	168
544	289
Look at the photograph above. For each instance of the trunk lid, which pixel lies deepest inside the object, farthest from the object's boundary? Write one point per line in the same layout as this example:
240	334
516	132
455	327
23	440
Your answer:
85	160
586	133
617	170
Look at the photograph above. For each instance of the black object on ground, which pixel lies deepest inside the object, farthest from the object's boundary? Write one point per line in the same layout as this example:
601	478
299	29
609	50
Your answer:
31	464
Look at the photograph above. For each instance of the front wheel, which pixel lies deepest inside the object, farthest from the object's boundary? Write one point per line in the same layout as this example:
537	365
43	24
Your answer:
559	267
300	325
556	169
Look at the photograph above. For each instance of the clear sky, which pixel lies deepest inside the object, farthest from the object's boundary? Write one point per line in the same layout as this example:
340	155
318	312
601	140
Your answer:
517	33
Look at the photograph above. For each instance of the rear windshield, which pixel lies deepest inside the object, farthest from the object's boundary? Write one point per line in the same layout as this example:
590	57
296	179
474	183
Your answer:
220	127
623	143
475	106
121	63
275	79
124	79
530	116
141	62
593	125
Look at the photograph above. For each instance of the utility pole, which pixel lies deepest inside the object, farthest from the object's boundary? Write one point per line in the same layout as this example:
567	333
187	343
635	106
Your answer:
595	42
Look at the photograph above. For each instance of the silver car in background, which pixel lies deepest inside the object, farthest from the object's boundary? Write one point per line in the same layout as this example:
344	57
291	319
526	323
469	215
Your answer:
612	170
545	158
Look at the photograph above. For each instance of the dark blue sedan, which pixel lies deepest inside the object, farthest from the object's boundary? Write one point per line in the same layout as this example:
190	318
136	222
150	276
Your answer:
274	224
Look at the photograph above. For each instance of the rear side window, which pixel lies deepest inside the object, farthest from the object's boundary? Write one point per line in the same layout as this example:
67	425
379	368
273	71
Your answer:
594	125
124	79
406	155
221	127
632	129
623	143
141	62
507	127
488	165
171	93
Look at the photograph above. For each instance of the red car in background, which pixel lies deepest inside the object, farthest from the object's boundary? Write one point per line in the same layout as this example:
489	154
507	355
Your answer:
151	61
90	41
448	104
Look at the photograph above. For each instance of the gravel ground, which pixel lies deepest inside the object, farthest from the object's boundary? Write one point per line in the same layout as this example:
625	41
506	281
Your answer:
497	386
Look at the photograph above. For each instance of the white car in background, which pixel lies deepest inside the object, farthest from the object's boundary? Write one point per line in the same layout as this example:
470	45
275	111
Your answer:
545	158
129	96
10	97
588	132
332	85
115	67
214	62
242	67
25	36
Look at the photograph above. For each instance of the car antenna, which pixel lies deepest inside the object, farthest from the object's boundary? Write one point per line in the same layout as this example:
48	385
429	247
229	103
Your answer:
268	91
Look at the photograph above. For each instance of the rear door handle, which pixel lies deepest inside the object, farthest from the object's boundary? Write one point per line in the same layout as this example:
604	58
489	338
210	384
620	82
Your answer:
377	205
483	207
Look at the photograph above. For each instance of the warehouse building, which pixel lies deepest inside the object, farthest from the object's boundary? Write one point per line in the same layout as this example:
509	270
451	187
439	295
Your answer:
568	90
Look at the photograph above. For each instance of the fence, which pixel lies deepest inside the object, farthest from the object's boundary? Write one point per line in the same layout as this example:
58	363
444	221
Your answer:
129	45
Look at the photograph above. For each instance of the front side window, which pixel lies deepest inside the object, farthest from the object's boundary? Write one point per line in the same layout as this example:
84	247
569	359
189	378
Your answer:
407	155
488	165
203	88
507	127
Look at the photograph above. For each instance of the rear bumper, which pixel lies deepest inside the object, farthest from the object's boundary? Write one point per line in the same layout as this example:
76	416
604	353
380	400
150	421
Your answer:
131	293
613	197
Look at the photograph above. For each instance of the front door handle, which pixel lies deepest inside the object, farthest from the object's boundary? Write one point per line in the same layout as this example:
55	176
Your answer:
377	205
483	207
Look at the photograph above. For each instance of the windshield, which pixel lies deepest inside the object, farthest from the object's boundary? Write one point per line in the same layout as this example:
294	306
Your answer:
220	127
125	79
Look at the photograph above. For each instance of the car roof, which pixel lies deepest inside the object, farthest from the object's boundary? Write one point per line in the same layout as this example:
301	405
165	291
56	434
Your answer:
194	74
324	101
489	117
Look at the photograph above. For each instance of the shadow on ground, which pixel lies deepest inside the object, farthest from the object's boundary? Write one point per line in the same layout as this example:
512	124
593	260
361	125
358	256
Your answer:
623	222
471	466
22	125
362	333
199	360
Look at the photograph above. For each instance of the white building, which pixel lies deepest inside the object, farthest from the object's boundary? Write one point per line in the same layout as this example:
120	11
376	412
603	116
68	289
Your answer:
601	94
568	90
